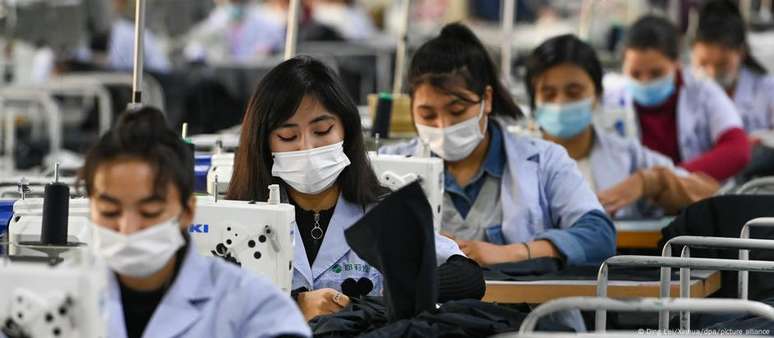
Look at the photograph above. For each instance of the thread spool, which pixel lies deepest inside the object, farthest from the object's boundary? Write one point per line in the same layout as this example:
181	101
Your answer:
383	116
56	204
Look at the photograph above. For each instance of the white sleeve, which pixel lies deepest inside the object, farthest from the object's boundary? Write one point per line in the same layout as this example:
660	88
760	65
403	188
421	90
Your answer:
445	248
721	111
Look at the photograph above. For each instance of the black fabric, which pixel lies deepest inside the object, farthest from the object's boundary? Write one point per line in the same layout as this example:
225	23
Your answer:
460	278
294	293
305	222
582	273
138	308
356	288
724	216
396	237
209	107
761	164
465	318
532	267
757	325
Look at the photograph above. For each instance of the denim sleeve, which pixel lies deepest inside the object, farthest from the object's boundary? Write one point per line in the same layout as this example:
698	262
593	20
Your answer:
590	240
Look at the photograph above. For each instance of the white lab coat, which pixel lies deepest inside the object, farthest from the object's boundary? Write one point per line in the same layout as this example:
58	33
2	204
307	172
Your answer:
213	298
336	261
543	195
754	99
351	22
614	158
217	38
121	49
704	112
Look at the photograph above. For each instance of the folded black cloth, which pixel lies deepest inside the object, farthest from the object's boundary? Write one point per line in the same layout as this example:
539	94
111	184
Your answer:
396	237
365	317
724	216
744	322
533	267
460	278
532	271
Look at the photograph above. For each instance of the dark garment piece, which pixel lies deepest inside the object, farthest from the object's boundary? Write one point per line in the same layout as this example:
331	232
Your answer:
396	237
466	318
460	278
209	106
756	325
724	216
761	164
305	222
532	267
139	306
515	273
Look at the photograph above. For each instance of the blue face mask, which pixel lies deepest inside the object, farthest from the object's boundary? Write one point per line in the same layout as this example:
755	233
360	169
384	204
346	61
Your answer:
565	120
652	93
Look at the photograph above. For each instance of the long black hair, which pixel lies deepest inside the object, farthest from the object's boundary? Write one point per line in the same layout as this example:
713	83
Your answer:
458	55
564	49
721	23
144	135
275	100
654	32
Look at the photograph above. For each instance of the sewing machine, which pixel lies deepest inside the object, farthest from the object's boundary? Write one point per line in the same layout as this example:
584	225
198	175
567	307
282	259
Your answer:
258	236
395	171
25	226
222	167
63	301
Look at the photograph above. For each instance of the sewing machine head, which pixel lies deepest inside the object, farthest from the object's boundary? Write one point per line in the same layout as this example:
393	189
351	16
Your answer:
221	169
258	236
25	226
395	171
63	301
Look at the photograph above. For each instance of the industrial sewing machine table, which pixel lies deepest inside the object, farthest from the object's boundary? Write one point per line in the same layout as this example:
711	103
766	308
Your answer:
703	284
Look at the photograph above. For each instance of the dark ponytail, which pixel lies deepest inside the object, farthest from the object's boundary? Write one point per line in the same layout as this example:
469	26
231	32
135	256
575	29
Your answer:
144	135
457	57
563	49
721	23
657	33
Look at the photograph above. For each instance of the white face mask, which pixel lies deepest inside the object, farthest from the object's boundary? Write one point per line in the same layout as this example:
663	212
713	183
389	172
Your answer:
139	254
310	171
456	142
726	80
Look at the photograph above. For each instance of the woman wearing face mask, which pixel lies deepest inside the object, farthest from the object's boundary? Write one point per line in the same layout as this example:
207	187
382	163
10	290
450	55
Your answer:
139	181
690	121
564	81
507	198
303	131
720	52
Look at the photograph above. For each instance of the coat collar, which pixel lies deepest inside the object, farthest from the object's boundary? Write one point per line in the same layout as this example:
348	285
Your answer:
334	245
181	305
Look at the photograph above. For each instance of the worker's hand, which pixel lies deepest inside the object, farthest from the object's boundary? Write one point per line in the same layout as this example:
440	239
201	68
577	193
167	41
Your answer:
321	302
488	254
622	194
